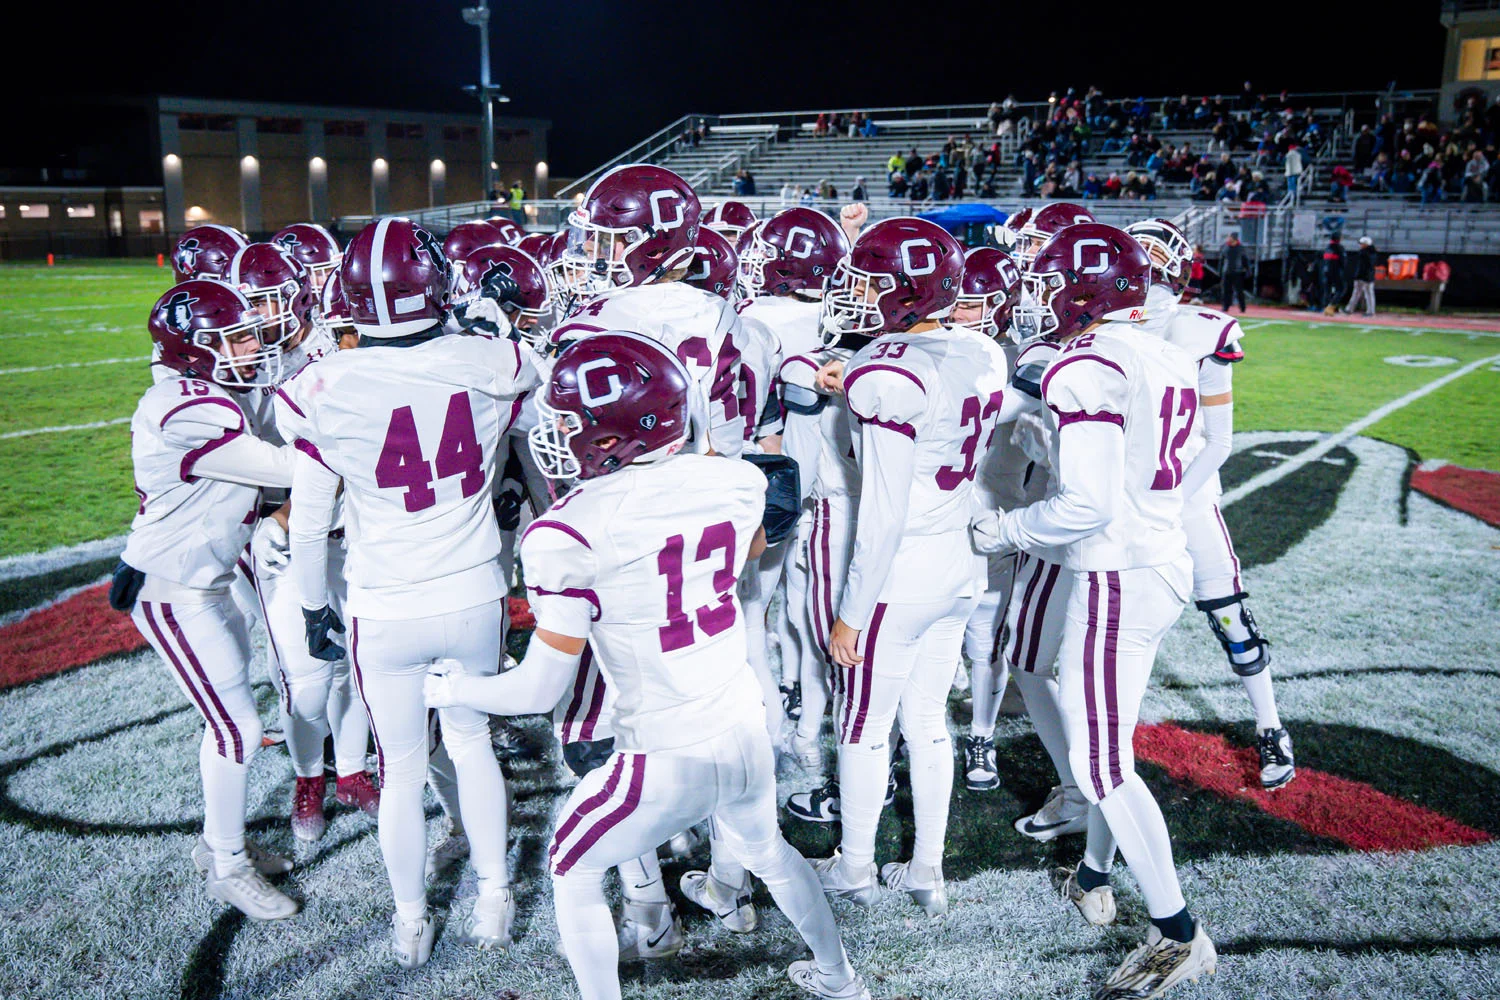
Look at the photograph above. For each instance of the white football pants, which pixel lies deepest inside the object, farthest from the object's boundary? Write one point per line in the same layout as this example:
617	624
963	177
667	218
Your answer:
982	635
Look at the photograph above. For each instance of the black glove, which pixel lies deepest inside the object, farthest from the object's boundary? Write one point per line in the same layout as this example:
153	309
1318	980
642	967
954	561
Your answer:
319	623
126	585
481	316
500	286
783	495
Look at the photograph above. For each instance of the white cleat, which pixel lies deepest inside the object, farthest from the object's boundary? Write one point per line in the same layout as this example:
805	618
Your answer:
807	753
731	905
446	853
839	882
489	924
247	890
261	859
1097	905
1159	964
649	930
1277	765
412	940
923	883
1065	811
806	975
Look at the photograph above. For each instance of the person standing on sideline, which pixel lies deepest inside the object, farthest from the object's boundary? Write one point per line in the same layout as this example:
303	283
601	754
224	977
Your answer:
1234	272
1293	170
1364	277
1331	275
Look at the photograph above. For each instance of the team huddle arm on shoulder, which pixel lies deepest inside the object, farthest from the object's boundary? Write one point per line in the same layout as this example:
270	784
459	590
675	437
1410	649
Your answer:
535	686
560	570
217	444
248	461
316	488
1216	410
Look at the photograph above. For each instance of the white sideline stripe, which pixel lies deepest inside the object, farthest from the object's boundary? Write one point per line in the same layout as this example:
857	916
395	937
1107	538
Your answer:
58	309
1331	442
73	364
68	427
36	563
61	333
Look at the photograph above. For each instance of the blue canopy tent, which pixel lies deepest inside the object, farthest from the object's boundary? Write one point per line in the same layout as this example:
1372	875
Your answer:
969	222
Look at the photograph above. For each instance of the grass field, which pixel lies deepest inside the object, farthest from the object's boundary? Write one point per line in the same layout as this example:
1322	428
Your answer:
1372	875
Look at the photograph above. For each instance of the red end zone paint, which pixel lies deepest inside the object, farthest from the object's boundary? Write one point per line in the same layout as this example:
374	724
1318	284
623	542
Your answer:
84	629
1350	812
1473	491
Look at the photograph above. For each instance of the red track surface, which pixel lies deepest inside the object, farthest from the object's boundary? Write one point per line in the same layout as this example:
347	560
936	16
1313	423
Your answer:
1473	491
1404	321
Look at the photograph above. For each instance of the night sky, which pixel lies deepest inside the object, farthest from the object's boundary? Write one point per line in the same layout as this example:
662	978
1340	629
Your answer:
609	73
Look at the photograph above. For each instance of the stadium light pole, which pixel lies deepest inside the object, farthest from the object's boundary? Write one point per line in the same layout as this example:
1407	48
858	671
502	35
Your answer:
479	17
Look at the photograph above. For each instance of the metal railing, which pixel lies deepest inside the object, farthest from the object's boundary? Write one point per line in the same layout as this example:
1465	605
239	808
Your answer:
643	151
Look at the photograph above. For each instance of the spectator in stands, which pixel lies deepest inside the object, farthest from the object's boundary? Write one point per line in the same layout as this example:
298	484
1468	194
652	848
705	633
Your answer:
1364	148
1404	173
1232	281
1342	181
1229	190
820	127
995	116
739	184
1430	183
919	187
858	193
1364	278
913	164
1293	169
517	195
1030	171
960	177
1195	274
1476	173
1092	187
896	162
942	184
806	198
869	129
896	183
749	183
1112	185
789	194
1072	181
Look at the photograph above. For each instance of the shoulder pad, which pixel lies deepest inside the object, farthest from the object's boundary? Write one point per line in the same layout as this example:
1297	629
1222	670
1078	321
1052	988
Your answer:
1028	378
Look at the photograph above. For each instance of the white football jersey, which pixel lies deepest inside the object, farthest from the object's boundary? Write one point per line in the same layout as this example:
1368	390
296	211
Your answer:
413	432
1031	442
943	389
701	328
793	325
760	359
644	561
821	443
1148	388
187	530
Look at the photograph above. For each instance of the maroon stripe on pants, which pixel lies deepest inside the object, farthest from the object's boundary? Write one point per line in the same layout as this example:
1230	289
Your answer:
213	696
1090	708
1020	637
1053	572
827	567
1111	684
359	684
588	805
867	674
187	681
1229	545
609	822
580	687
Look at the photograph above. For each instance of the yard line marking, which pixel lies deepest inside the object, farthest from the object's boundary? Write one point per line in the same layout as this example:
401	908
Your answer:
61	333
1331	442
18	567
58	309
69	427
73	364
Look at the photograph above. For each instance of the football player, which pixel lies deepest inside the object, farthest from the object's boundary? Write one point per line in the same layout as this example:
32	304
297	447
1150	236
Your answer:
1212	339
1124	403
642	558
312	246
1039	226
199	467
206	251
409	421
925	400
730	219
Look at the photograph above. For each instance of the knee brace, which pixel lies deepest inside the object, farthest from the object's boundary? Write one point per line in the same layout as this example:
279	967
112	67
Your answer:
1255	643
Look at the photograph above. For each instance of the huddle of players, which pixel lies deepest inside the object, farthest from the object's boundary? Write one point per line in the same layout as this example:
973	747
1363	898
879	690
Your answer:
964	428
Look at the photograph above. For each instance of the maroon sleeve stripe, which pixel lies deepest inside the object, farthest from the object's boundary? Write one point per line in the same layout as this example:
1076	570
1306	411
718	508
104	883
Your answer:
890	425
214	400
566	529
311	451
185	469
1066	417
1059	366
863	369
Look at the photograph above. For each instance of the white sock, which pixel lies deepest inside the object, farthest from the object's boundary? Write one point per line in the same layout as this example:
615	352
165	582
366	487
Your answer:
723	865
864	773
990	678
799	895
931	788
1041	697
1141	832
1099	849
1262	699
410	911
350	725
640	879
224	793
588	934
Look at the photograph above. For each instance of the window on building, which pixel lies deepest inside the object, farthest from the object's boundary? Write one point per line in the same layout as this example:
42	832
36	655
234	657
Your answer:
206	123
279	126
35	211
461	133
151	220
354	130
1479	59
81	211
402	130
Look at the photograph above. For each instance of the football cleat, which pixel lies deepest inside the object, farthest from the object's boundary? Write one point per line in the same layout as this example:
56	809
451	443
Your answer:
489	924
1097	905
271	737
1065	811
961	681
308	822
1276	764
839	882
649	930
412	940
730	904
261	860
1159	964
806	975
247	890
687	842
816	805
807	753
791	700
923	883
507	740
445	853
359	791
980	774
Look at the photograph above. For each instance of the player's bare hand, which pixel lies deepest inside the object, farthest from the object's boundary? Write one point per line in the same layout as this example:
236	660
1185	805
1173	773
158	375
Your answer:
853	217
843	644
830	378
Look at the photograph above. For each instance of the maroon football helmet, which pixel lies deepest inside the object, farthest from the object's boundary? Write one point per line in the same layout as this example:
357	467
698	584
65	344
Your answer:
509	231
992	282
898	273
278	288
636	224
334	313
531	306
793	251
1043	224
1084	274
729	219
396	279
312	246
715	266
207	329
1170	252
206	251
533	243
613	399
466	237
